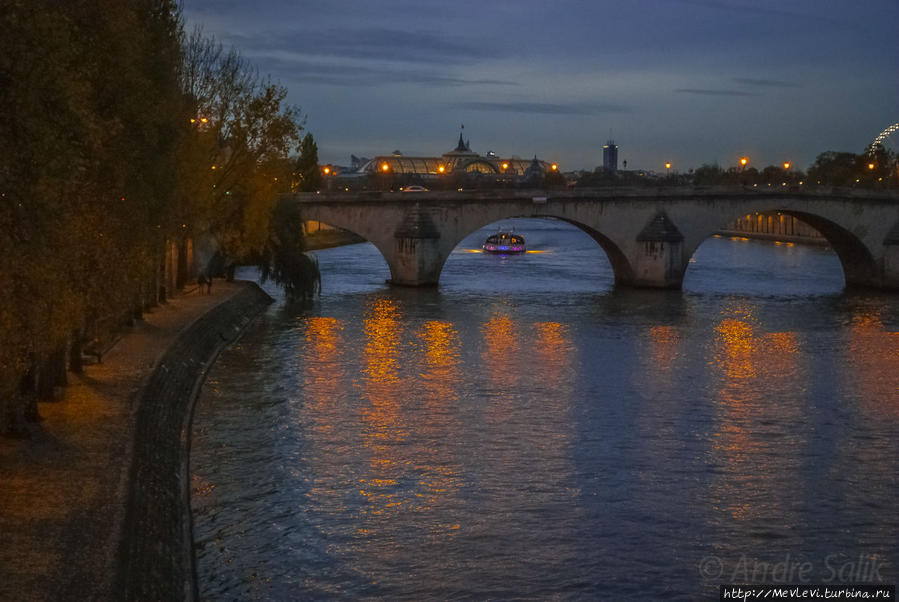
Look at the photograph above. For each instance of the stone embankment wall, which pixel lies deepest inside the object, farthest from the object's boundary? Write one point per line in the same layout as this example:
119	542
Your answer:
155	560
326	239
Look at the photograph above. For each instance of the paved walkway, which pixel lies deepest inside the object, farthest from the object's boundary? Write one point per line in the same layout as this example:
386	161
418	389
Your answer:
62	492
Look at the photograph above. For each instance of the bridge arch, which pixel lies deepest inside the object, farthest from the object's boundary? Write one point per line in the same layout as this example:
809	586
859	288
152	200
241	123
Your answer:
621	267
352	228
860	268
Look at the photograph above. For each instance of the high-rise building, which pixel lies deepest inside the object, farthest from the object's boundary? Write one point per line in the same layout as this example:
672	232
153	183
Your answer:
610	156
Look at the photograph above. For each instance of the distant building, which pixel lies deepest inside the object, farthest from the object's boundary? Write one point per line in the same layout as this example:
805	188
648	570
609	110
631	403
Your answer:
610	157
459	160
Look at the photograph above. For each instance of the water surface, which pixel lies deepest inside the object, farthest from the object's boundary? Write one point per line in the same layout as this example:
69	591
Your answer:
526	431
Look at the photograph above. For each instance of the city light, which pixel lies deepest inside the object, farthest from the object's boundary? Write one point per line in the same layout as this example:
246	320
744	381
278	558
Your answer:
787	164
744	161
441	168
326	170
384	167
871	166
667	164
554	167
505	165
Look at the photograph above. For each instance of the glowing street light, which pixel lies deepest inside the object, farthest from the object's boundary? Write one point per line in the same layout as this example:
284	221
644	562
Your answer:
744	161
505	165
554	167
667	164
441	168
326	170
384	166
871	166
787	165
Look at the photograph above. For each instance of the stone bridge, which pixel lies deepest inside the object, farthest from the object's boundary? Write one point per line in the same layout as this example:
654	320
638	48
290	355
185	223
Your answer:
649	234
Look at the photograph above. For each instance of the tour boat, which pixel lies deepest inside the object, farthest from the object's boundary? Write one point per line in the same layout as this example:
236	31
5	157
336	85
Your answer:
505	243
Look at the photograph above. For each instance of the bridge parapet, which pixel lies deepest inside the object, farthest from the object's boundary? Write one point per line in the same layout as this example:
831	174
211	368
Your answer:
672	193
417	231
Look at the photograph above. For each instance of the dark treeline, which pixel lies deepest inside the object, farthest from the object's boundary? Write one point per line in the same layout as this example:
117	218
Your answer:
131	155
876	167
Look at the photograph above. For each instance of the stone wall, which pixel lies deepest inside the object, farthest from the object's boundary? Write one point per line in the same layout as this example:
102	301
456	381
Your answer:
155	560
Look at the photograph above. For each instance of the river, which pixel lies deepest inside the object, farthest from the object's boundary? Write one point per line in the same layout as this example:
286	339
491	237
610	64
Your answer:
526	431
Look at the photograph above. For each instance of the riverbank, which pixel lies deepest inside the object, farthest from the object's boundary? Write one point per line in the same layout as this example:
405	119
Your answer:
65	488
818	241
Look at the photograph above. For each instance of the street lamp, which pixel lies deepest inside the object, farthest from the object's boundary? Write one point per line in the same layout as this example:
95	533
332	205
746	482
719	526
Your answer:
871	166
554	167
384	166
787	165
744	161
667	164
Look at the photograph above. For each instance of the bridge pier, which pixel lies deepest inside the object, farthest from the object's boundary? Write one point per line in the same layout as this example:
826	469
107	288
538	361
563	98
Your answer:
417	258
891	259
659	260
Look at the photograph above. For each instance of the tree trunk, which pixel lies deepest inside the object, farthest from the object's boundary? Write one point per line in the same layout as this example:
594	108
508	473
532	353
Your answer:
25	407
76	364
51	374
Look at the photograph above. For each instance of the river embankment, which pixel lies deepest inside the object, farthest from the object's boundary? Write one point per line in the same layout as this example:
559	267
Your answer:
92	503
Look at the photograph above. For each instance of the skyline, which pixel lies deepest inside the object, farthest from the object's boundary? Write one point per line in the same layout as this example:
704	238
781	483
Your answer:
686	81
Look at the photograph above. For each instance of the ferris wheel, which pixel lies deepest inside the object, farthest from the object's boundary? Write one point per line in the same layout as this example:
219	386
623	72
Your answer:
888	138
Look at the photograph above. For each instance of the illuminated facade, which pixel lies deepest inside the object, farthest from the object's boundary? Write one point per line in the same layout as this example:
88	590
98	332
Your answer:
459	160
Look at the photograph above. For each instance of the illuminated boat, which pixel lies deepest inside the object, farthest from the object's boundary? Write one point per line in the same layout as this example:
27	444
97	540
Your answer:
505	243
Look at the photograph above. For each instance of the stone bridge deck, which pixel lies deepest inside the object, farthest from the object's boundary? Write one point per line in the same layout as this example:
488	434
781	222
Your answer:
649	234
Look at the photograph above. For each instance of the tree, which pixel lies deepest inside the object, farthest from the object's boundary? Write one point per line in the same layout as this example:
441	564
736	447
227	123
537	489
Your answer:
835	169
308	172
708	175
284	259
234	164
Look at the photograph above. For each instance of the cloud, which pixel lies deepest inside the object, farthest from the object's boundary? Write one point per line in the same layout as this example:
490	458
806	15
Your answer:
349	75
765	83
371	43
755	9
704	92
543	108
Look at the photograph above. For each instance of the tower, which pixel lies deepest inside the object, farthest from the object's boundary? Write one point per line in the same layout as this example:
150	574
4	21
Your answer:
610	157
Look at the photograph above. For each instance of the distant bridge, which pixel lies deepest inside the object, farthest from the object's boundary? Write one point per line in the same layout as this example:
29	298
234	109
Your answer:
648	234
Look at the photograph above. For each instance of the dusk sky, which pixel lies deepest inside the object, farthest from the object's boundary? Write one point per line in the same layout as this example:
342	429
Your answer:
690	81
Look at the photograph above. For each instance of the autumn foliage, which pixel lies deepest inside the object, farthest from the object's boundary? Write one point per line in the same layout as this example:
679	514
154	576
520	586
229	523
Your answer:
121	136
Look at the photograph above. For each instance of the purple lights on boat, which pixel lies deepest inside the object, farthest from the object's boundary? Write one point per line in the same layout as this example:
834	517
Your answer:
504	243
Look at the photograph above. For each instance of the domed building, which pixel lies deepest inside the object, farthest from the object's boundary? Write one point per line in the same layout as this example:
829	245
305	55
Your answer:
459	161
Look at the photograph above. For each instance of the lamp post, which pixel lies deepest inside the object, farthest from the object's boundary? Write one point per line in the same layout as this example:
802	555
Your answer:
328	172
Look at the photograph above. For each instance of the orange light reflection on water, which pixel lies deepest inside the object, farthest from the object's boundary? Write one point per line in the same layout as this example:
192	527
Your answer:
873	358
755	430
502	345
383	425
530	251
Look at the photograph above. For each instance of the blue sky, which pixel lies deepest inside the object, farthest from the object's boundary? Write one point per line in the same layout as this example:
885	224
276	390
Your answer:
690	81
